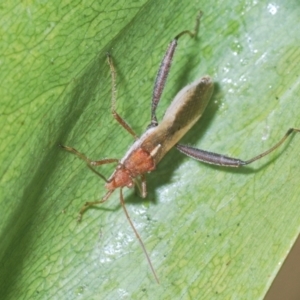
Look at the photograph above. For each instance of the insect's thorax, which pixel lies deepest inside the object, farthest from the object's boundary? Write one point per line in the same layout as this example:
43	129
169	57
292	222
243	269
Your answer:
146	152
137	161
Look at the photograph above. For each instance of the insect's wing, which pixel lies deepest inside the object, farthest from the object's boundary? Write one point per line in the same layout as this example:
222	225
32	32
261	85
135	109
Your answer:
188	105
186	108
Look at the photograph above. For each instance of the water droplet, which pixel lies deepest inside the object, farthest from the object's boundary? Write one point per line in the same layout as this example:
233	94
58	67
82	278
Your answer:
272	8
266	133
79	290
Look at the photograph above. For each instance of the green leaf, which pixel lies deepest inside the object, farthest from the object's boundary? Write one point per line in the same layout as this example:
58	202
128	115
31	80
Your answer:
212	233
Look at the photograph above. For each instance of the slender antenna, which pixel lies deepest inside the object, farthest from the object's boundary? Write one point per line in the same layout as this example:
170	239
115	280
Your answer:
137	235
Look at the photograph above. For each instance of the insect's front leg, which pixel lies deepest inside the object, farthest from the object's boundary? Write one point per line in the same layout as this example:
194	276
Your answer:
144	186
89	204
141	185
119	119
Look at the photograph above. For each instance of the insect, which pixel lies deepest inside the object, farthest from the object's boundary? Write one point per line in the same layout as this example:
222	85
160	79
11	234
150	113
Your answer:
147	151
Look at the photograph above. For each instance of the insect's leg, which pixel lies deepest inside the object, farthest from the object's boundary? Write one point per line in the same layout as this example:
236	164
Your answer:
120	120
209	157
144	186
91	163
137	235
257	157
89	204
164	69
141	185
222	160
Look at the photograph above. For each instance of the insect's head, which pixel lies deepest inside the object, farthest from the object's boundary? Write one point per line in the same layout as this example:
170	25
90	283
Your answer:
120	178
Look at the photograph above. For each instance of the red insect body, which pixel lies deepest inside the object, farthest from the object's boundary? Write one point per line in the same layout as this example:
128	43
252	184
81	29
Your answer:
138	163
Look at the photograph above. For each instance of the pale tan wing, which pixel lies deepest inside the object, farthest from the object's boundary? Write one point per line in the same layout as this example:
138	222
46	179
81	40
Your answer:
186	108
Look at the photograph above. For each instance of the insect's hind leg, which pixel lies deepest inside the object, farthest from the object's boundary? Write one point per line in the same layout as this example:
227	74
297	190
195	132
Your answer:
119	119
223	160
193	33
164	69
281	141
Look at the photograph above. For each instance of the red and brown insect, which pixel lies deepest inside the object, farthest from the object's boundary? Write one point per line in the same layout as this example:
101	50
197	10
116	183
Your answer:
147	151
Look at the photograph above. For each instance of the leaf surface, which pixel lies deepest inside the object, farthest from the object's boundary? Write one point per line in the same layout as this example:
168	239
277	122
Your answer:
212	233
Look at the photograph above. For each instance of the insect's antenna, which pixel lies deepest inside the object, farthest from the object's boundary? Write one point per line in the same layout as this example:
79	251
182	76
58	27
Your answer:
89	162
97	173
164	69
137	235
